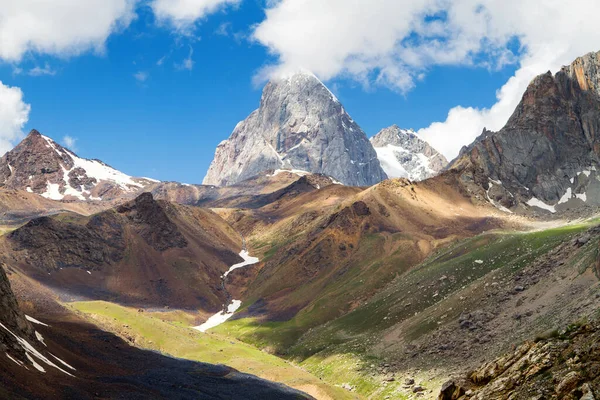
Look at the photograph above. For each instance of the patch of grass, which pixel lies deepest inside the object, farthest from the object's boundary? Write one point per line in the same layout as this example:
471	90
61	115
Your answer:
171	338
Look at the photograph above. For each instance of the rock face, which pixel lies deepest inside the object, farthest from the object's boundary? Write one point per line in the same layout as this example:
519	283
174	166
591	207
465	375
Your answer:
40	165
547	154
403	154
299	125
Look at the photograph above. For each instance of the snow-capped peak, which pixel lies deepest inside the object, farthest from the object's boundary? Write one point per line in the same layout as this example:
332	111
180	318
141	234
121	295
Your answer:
403	154
40	165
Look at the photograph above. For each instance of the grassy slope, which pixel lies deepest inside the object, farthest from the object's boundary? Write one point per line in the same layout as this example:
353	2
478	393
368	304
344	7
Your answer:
342	351
170	334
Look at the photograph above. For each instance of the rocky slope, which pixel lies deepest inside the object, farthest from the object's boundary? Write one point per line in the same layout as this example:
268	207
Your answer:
40	165
403	154
144	252
299	125
546	156
564	364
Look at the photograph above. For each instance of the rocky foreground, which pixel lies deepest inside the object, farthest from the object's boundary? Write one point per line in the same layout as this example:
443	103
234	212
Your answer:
558	365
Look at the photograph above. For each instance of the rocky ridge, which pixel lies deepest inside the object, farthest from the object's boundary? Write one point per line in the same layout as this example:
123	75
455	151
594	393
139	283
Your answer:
403	154
300	125
546	156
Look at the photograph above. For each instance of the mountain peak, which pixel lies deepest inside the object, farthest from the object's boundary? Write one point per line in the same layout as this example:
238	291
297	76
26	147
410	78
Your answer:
40	165
403	154
301	125
546	156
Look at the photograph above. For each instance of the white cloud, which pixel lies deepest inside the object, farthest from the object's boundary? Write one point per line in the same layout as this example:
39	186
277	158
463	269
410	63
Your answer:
59	27
183	14
141	76
394	42
188	62
41	71
70	142
14	114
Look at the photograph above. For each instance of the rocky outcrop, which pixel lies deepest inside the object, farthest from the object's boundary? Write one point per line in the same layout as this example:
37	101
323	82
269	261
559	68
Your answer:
151	221
40	165
403	154
299	125
559	365
547	154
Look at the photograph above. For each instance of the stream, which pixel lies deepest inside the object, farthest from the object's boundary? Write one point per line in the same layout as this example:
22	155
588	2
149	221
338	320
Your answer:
233	306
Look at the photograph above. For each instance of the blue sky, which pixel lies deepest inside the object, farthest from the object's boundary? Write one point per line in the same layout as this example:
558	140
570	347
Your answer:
164	119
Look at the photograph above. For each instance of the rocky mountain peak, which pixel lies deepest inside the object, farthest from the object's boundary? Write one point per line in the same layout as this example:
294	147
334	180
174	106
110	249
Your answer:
546	156
403	154
40	165
299	125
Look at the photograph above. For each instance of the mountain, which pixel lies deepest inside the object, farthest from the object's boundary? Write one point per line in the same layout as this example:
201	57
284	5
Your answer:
403	154
299	125
40	165
547	154
141	252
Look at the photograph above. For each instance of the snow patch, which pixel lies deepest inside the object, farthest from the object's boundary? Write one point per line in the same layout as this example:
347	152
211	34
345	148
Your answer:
581	196
566	197
479	261
40	338
221	317
535	202
19	363
298	172
52	192
497	205
35	321
62	362
248	260
389	161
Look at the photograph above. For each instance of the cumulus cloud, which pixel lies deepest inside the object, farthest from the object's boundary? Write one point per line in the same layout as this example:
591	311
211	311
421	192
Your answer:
394	42
60	27
14	114
183	14
70	142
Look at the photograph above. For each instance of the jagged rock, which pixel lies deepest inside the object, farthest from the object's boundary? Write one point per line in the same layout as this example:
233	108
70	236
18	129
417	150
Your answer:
403	154
547	154
451	391
299	125
542	370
